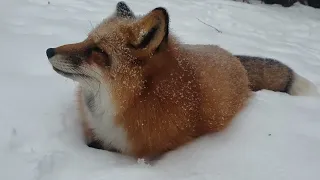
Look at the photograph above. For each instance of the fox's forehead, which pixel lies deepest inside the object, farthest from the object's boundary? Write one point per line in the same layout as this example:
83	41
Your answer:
112	28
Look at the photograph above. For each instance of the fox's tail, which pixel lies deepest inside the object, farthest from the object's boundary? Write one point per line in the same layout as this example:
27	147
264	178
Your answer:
271	74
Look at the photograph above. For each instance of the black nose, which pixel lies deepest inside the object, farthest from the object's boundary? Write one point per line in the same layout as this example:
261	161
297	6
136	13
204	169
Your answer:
50	52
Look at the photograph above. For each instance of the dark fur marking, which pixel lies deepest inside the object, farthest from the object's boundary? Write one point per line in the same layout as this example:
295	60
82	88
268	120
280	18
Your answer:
89	100
96	145
166	36
124	11
76	60
290	81
269	62
167	20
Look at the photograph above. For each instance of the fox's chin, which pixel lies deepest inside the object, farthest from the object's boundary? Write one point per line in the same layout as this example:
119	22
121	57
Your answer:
70	75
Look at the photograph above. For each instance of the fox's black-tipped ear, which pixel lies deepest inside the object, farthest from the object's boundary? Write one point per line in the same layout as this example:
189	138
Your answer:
151	31
124	11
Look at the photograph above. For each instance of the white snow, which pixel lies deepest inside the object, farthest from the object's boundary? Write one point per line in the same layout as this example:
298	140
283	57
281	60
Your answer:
276	137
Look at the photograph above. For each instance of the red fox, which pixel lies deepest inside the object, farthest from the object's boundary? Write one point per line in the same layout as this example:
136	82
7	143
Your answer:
143	93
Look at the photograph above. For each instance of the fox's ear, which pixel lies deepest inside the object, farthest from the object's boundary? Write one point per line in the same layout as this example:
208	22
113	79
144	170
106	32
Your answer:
123	10
151	31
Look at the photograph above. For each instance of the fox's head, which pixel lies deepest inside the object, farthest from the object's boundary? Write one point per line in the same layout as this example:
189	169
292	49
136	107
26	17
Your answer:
122	51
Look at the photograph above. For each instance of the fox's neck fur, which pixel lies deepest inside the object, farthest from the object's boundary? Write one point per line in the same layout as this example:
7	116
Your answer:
100	113
95	98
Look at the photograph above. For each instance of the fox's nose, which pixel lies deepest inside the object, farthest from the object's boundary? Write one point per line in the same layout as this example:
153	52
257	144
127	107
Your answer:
50	52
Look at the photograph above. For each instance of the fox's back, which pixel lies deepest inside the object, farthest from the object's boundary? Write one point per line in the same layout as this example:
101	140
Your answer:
263	73
223	83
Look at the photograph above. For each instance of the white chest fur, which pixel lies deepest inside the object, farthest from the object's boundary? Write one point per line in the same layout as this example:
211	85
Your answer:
101	111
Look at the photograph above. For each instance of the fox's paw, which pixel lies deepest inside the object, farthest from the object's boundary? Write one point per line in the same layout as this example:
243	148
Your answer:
95	144
89	138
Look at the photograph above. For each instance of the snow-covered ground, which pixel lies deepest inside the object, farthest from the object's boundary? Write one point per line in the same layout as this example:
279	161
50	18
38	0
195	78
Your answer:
277	137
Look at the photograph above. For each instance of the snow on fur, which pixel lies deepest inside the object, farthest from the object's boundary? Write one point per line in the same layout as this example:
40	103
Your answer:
276	137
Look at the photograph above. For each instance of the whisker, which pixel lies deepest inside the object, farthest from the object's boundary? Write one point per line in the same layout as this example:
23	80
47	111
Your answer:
98	74
91	25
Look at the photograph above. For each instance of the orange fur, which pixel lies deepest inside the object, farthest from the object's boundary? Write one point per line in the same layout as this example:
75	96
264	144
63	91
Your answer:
263	73
189	98
165	94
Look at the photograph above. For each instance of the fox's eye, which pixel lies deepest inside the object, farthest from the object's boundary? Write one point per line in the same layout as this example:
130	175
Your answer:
97	49
106	60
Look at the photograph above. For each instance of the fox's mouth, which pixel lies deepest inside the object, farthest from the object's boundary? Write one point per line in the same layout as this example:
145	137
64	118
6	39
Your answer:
69	74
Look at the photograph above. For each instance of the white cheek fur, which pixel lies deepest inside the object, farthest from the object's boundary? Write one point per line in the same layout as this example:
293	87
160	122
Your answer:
100	111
